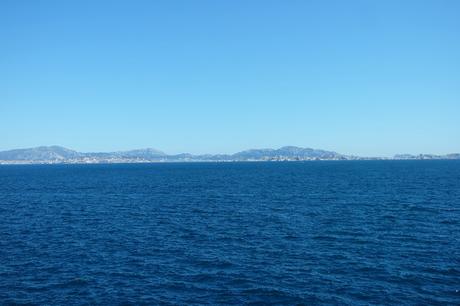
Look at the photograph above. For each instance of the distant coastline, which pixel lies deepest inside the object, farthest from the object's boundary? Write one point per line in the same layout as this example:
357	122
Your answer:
61	155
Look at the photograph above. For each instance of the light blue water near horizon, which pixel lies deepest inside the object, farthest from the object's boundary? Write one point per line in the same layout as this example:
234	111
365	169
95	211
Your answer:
324	232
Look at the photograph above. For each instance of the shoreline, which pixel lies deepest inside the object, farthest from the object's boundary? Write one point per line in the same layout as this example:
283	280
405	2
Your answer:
12	163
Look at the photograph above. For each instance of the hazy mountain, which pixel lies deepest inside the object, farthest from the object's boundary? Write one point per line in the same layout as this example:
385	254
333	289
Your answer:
40	153
289	151
57	154
427	156
47	153
140	153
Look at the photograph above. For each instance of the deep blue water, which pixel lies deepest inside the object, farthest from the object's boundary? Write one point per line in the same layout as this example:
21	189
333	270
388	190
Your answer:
356	232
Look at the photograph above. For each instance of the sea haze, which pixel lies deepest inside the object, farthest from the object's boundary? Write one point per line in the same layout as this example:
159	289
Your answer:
342	232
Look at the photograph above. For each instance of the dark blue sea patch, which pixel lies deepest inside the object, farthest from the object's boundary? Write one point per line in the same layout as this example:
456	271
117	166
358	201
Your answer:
354	232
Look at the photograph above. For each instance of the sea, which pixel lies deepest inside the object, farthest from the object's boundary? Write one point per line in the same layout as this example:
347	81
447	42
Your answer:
257	233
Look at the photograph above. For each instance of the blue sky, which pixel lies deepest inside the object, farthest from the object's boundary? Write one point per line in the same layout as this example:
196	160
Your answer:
357	77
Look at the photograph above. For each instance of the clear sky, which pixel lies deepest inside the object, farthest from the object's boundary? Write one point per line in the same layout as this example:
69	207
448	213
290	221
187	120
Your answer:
357	77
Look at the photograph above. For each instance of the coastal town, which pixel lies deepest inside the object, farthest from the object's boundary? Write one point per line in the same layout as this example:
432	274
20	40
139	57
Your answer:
61	155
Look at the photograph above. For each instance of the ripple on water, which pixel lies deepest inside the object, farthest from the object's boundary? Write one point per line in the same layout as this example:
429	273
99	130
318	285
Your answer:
355	233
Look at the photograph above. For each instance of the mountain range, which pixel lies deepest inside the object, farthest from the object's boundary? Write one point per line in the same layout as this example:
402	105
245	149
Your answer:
58	154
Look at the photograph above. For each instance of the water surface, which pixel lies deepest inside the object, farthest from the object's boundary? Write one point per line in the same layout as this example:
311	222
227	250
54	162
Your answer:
352	232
